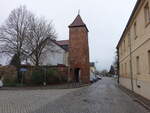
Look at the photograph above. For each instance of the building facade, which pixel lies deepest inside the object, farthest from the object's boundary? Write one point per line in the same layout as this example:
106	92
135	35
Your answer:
134	51
72	53
79	65
58	55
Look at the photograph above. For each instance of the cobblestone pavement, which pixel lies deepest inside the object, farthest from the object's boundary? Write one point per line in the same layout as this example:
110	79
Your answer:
101	97
26	101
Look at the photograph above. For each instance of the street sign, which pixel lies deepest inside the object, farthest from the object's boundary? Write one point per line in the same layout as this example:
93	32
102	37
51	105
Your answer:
23	69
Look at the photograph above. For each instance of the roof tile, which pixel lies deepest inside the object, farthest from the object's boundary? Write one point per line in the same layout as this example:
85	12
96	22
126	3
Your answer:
77	22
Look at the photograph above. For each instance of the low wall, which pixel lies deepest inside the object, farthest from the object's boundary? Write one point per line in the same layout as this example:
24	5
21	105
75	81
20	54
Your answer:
62	72
8	73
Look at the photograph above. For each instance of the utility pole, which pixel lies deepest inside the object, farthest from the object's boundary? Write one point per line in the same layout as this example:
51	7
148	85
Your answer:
131	70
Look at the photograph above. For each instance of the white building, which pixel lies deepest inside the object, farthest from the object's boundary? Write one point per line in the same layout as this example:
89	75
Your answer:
59	54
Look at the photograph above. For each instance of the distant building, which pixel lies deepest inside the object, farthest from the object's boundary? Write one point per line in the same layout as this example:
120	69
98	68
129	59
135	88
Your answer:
134	51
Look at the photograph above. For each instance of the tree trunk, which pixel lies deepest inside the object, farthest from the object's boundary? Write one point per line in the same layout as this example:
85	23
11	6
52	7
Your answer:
18	68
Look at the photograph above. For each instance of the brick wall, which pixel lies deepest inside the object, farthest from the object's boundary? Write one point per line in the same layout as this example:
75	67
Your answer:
62	72
8	73
79	53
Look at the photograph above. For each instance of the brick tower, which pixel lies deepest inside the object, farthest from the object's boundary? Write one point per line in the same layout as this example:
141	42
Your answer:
78	52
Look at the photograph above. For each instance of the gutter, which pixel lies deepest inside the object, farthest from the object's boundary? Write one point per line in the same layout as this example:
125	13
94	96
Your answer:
131	70
118	65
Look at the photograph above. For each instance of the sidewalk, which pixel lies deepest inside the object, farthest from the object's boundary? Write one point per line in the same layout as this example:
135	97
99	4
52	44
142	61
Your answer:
137	98
60	86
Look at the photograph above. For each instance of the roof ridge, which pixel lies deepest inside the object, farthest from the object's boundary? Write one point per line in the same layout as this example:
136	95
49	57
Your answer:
77	22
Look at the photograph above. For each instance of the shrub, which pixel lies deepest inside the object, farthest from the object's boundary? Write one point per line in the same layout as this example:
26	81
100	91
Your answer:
53	76
50	76
38	76
8	82
64	79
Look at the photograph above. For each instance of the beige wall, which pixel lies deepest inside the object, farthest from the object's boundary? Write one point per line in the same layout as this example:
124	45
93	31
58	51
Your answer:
66	58
140	46
143	91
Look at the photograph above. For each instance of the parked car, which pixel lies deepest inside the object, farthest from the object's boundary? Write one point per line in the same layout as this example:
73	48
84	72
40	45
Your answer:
99	77
93	78
115	76
1	83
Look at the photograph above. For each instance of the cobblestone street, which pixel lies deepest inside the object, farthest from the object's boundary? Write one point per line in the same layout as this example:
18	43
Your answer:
101	97
25	101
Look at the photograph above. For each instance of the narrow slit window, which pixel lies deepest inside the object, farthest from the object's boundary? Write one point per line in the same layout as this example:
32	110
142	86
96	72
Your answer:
149	60
122	70
135	30
138	64
129	39
126	68
147	13
124	45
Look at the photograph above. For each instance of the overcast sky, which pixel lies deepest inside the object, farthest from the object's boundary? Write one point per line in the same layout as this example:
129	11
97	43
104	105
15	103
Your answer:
105	19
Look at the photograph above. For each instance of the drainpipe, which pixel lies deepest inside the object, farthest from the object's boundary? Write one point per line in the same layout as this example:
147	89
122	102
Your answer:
131	70
118	70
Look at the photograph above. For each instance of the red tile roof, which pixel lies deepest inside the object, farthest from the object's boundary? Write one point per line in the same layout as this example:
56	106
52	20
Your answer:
63	42
77	22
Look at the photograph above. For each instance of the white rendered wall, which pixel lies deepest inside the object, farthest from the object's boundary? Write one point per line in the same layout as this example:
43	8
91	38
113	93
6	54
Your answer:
55	57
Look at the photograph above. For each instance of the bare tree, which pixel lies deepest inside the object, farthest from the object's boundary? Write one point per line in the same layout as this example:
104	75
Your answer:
14	32
39	40
24	35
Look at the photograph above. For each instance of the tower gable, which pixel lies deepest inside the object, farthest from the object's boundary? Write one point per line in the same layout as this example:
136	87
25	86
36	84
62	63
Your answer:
78	22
